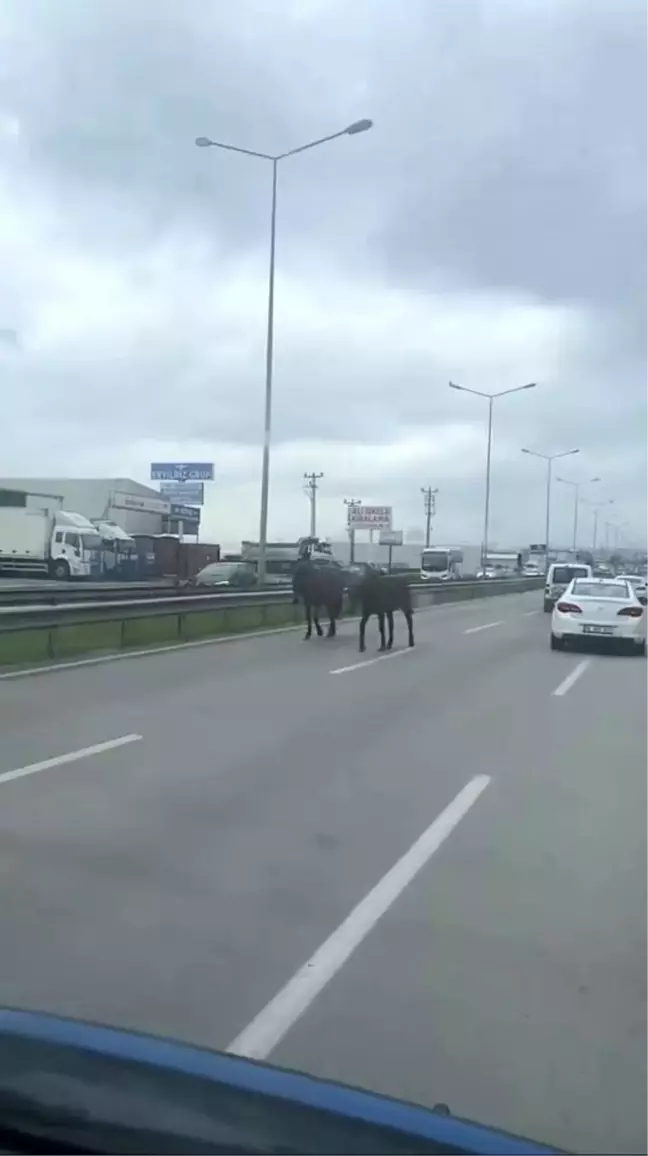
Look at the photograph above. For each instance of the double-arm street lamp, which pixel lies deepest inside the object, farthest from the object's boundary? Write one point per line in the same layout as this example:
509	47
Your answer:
491	398
358	126
549	459
596	510
576	486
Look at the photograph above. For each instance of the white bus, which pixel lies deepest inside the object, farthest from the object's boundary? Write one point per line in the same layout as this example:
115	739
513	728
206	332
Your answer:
441	563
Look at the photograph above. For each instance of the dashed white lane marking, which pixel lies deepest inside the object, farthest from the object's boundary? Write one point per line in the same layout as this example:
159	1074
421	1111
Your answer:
530	613
371	661
272	1023
484	626
71	757
572	677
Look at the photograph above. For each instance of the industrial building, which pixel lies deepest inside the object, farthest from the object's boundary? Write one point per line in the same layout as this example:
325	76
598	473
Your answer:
137	508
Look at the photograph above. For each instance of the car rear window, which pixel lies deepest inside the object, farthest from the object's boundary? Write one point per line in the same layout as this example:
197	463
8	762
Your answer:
564	574
614	590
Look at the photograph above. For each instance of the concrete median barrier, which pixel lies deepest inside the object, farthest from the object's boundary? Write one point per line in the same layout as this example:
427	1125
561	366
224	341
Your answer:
35	634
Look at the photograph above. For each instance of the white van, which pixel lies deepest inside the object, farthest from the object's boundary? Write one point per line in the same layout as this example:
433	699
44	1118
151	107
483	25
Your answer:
559	576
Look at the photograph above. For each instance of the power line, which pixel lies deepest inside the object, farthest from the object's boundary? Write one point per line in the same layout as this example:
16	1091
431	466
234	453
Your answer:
312	486
429	505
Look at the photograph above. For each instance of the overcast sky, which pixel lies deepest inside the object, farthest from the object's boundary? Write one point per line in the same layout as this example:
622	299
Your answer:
490	229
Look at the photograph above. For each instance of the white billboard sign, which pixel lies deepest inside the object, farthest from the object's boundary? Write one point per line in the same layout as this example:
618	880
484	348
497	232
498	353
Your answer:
370	517
122	501
391	538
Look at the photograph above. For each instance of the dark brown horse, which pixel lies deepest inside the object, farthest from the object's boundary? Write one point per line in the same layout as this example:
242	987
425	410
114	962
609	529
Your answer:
319	587
381	594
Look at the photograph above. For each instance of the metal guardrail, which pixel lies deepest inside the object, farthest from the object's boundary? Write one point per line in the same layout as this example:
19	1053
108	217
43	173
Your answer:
181	604
51	594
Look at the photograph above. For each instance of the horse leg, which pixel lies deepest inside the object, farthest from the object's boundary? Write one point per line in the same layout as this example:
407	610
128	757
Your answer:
363	623
410	627
309	619
381	628
317	623
334	612
390	625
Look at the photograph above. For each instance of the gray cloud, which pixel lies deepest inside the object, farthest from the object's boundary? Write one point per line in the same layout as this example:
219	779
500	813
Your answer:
491	228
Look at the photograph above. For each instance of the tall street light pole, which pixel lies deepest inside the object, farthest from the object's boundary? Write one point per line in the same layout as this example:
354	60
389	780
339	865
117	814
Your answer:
358	126
549	459
618	527
577	489
596	509
491	398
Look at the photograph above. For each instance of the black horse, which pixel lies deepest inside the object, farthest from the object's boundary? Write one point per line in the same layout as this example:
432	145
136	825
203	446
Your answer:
318	586
381	594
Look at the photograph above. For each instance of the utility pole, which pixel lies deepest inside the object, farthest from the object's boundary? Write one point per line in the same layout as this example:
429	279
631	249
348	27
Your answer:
429	505
351	504
312	486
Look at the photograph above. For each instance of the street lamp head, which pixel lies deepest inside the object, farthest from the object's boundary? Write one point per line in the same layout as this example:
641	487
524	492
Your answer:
359	126
453	385
203	142
530	385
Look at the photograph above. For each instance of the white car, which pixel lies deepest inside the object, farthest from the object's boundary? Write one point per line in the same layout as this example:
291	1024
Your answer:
559	575
606	609
638	583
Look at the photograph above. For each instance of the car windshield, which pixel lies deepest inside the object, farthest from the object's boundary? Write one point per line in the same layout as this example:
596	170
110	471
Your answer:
562	575
435	560
91	541
613	590
293	290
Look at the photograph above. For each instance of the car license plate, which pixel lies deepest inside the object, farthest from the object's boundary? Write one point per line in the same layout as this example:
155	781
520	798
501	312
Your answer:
598	630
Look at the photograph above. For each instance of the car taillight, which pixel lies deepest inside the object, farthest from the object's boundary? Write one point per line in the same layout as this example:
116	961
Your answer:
631	612
569	608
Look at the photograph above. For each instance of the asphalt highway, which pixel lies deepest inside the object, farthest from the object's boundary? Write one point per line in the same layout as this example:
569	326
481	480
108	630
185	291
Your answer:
423	873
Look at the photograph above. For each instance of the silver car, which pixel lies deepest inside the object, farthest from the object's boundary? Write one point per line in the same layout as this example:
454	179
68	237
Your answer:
638	583
229	575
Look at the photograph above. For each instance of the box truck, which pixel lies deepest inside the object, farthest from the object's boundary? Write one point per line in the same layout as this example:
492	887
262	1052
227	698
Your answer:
58	544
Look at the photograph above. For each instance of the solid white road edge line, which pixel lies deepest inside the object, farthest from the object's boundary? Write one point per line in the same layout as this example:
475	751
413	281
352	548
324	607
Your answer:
573	677
484	626
266	1030
371	661
71	757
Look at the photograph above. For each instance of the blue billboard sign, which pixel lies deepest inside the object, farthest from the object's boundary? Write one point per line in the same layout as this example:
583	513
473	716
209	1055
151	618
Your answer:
185	514
182	472
188	493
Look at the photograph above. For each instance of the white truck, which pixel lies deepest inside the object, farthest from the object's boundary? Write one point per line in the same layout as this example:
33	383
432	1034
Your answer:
118	551
57	543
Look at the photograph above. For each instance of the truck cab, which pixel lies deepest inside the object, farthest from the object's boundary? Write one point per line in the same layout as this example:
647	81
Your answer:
118	552
75	547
